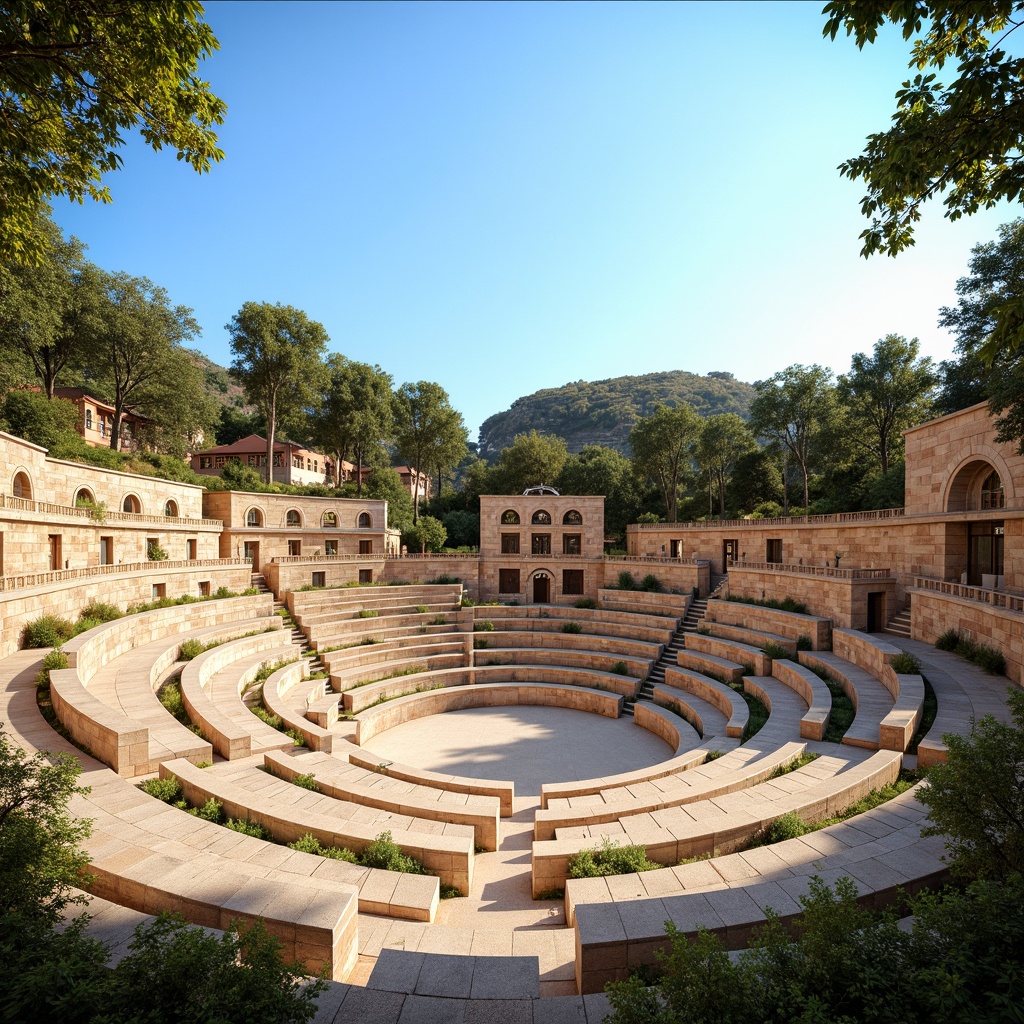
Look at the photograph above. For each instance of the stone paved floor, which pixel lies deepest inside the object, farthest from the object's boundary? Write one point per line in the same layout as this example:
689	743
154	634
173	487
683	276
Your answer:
529	746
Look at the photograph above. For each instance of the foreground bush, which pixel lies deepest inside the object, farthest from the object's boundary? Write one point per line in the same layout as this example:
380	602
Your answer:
610	859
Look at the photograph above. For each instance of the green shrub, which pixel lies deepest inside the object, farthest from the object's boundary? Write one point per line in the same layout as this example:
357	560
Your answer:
480	645
385	854
572	627
155	553
55	659
421	608
168	790
368	613
443	579
626	580
191	649
551	894
306	781
713	755
775	651
295	735
949	640
100	611
170	697
83	625
990	659
804	643
274	721
620	669
449	892
46	631
247	828
585	602
610	859
483	626
906	664
791	766
788	826
651	583
966	648
212	810
439	620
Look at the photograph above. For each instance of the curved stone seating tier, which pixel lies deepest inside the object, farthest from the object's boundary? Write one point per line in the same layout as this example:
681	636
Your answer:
399	648
354	785
772	620
710	665
637	617
672	606
622	648
301	602
348	613
362	675
504	792
814	693
380	630
745	635
723	824
554	617
559	675
666	725
212	687
870	698
436	702
289	812
704	718
279	698
362	697
620	920
720	696
754	661
554	655
738	769
116	738
875	656
345	631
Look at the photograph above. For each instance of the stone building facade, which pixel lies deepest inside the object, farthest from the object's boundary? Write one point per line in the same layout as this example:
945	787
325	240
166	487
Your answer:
265	527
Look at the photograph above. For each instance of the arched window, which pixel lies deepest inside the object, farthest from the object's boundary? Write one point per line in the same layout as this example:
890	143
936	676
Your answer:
254	517
572	518
293	517
83	497
365	521
992	495
330	520
541	518
22	486
131	504
171	508
510	517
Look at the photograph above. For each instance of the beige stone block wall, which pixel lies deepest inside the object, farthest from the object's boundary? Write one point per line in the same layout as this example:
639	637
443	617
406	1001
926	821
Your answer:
493	507
18	456
66	599
676	576
417	569
283	577
232	507
771	620
932	614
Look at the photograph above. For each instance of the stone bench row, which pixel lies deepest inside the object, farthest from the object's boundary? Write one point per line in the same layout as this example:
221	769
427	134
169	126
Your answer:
398	648
747	635
672	606
290	812
212	686
112	736
704	828
753	661
625	648
638	618
374	632
620	921
552	623
351	678
576	657
301	602
792	625
680	682
343	781
335	630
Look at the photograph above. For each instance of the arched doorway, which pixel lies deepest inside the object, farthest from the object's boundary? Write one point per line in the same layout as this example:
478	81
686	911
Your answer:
541	588
22	486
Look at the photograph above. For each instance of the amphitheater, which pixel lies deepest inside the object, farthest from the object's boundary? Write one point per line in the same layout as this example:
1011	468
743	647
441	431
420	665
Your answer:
493	741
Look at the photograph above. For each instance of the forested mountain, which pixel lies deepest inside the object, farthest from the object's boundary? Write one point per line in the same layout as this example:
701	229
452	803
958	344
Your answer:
603	412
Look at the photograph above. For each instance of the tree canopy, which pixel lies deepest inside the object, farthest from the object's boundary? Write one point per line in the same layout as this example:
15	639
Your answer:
278	360
662	446
74	79
961	140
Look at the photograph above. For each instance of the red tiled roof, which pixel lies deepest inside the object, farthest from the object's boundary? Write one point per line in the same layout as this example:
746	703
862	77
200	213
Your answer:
254	444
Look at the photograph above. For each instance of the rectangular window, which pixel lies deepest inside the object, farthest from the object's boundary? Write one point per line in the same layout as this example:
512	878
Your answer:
56	558
508	581
773	551
330	547
204	588
572	544
106	550
191	547
510	543
88	419
541	544
319	579
252	460
572	581
295	547
366	547
220	460
159	590
205	462
365	575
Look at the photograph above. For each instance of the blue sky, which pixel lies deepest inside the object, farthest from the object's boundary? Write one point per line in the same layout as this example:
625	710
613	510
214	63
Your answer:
504	197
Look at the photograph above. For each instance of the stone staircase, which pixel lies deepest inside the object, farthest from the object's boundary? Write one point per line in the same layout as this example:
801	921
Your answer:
258	582
699	605
899	625
657	673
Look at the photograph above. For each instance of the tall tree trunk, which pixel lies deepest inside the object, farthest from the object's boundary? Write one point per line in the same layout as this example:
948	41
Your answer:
785	483
271	427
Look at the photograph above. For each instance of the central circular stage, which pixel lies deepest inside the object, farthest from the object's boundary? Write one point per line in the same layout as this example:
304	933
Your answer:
528	745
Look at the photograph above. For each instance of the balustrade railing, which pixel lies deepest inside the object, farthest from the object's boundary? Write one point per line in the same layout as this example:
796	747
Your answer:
995	598
49	508
812	570
22	581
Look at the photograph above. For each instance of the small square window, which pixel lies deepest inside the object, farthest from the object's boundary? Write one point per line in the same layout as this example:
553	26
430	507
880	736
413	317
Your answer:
319	579
365	575
508	581
572	581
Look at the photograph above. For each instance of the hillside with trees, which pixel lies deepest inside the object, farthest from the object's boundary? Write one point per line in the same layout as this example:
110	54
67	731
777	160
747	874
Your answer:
603	412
